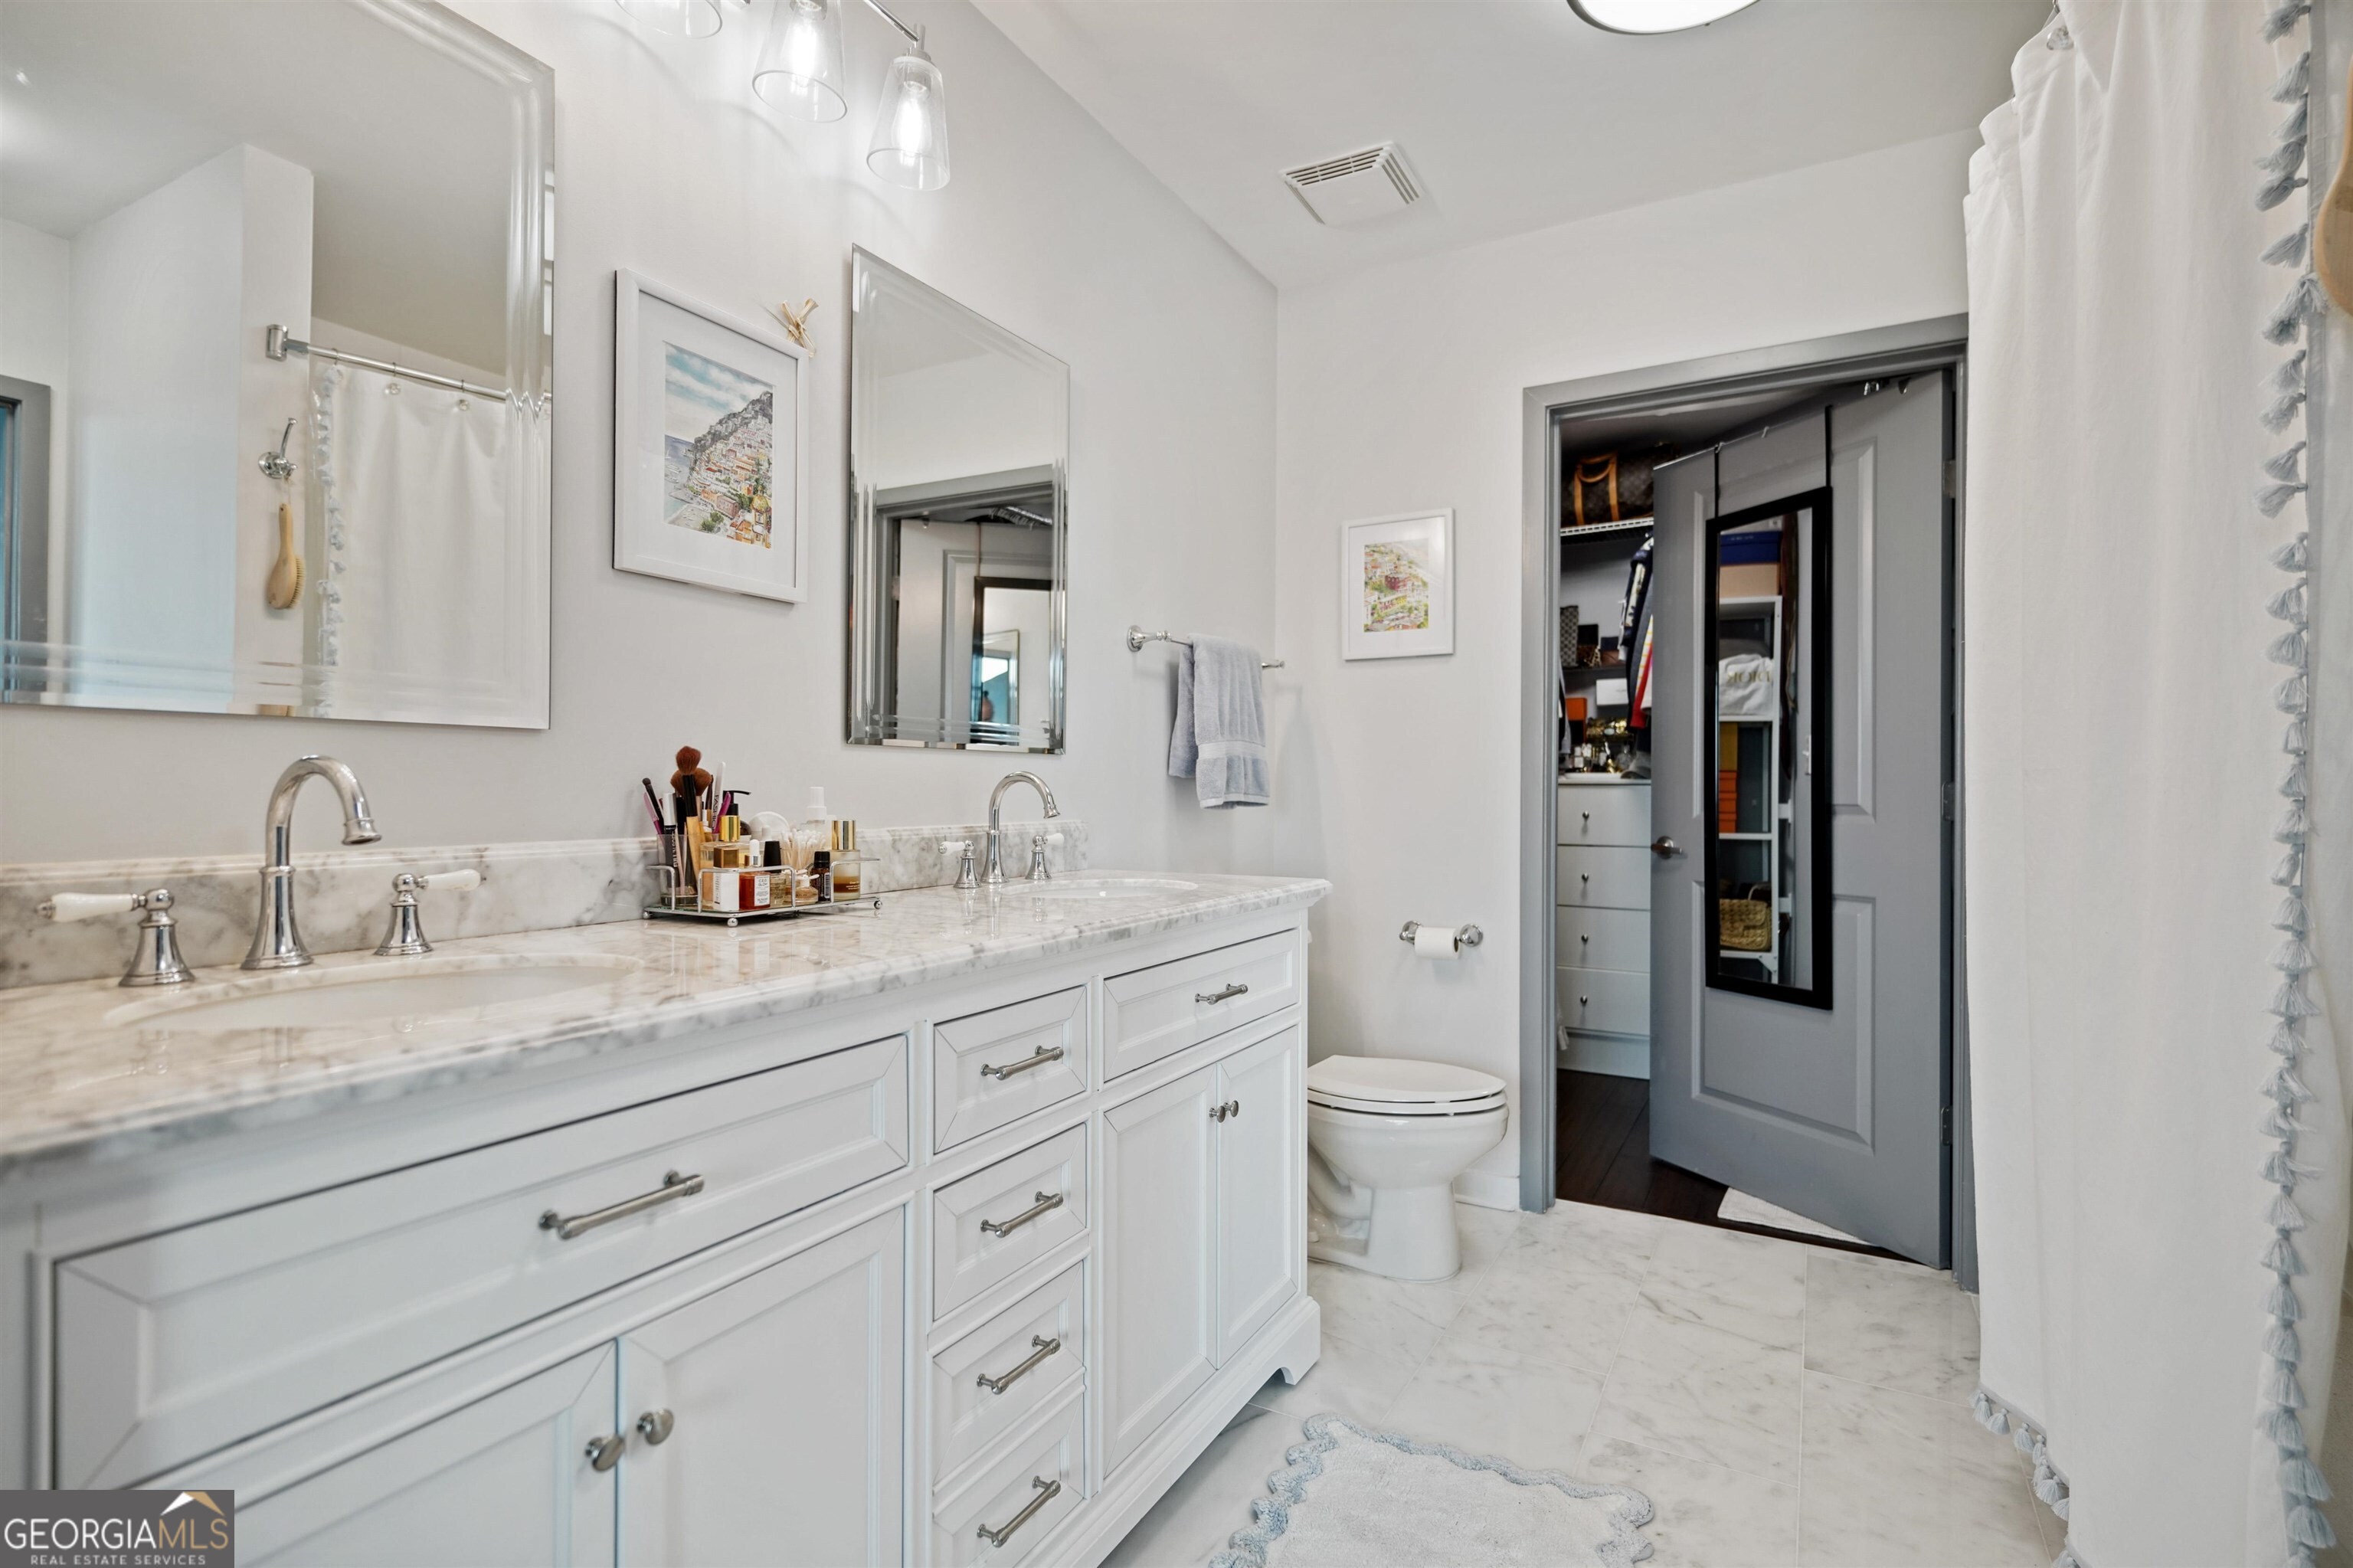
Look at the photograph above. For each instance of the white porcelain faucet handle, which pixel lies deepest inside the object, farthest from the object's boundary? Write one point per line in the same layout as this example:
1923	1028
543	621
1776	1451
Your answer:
66	907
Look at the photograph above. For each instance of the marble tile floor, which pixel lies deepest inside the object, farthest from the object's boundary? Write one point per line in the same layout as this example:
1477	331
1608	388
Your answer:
1779	1404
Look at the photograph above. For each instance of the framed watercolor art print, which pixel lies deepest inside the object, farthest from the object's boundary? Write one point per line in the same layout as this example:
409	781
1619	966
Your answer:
710	446
1397	585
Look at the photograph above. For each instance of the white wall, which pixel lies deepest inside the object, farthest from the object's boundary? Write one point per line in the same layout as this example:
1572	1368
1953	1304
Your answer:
666	166
1400	390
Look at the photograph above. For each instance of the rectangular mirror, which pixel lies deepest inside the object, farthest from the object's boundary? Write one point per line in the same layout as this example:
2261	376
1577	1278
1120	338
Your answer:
274	349
959	447
1768	838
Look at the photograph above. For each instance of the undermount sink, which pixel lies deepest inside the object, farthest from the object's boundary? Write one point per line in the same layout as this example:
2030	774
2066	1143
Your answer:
315	999
1103	888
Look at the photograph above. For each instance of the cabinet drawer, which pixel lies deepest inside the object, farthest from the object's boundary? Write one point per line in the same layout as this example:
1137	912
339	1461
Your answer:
994	1067
1610	878
1602	938
170	1347
1154	1012
987	1227
1605	814
1036	1484
1044	1332
1604	1001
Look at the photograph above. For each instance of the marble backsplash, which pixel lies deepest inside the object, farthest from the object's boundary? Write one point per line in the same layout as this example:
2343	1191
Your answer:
341	895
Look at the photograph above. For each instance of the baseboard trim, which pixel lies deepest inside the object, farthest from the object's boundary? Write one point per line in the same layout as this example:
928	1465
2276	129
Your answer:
1619	1055
1488	1188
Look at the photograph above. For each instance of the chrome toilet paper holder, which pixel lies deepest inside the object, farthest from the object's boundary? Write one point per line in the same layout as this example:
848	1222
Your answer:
1469	937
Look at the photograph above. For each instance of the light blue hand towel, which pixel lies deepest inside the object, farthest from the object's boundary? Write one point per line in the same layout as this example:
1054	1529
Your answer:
1220	741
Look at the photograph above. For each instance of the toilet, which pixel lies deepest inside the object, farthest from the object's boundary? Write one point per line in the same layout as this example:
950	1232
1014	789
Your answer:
1385	1138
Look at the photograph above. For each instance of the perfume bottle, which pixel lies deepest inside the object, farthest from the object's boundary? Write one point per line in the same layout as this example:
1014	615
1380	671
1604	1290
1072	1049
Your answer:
849	866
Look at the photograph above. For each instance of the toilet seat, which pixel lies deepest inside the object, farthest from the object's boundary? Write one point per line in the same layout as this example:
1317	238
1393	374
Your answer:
1398	1086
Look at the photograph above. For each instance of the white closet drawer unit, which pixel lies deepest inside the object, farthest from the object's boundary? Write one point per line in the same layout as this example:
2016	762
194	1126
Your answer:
170	1347
1605	1001
1153	1013
1611	878
1602	938
987	1227
1019	1362
1605	814
1015	1503
994	1067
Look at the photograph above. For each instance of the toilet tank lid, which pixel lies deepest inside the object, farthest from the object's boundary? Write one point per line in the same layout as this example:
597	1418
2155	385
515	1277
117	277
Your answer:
1401	1079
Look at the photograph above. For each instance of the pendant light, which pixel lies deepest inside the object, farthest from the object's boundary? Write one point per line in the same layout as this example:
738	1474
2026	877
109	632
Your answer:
680	19
910	146
800	67
1655	15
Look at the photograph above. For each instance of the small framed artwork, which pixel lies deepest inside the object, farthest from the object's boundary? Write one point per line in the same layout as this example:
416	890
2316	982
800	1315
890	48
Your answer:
1397	585
710	446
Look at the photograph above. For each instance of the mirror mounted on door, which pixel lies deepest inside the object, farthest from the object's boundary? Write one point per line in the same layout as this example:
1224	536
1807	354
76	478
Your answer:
1767	838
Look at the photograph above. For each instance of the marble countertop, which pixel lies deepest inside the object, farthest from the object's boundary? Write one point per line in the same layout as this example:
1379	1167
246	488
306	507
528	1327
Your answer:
89	1070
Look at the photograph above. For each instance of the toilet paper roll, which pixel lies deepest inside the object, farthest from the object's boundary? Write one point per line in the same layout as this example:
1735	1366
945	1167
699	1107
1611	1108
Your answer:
1435	942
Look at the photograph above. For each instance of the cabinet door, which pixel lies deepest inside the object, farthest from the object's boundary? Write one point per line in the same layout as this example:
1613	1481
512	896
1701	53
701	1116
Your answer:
785	1413
1260	1176
1159	1249
504	1481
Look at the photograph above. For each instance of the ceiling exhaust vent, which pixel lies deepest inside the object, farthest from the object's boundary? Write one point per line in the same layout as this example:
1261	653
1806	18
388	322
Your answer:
1361	186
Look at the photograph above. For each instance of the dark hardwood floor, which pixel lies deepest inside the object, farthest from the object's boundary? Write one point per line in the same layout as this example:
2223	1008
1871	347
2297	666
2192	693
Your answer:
1604	1146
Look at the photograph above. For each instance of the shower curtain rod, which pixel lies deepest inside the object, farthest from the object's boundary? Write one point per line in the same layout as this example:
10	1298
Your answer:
278	345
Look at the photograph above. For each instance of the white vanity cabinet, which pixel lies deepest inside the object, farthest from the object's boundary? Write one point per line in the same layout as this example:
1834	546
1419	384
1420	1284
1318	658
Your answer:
937	1275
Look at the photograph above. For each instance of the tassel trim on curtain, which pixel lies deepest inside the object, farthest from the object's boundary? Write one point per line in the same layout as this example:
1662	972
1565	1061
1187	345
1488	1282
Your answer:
2050	1485
2302	1486
323	458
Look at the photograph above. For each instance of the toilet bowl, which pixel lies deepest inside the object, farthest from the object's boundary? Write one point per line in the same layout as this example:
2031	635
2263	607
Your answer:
1385	1138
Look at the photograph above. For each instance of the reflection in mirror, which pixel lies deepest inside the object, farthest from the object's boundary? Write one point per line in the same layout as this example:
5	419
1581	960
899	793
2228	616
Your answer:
1768	838
959	435
273	360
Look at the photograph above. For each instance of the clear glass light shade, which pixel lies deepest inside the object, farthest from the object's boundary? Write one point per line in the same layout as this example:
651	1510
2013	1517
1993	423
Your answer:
800	65
911	132
681	18
1655	15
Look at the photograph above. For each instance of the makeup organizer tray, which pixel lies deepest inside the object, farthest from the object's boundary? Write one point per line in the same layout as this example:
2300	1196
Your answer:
671	906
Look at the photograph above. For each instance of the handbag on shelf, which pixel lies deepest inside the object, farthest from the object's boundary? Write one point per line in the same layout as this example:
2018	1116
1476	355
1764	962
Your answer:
1612	487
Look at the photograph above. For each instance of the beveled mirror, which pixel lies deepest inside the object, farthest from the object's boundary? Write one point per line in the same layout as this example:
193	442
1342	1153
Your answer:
959	440
274	367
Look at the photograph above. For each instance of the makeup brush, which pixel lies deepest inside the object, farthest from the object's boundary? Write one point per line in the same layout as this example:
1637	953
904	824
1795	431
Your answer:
653	805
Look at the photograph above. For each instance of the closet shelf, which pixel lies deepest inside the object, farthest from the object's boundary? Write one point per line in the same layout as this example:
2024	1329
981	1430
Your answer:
1590	530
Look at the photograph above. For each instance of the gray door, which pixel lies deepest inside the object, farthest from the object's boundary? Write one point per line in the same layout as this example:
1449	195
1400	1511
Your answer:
1798	1040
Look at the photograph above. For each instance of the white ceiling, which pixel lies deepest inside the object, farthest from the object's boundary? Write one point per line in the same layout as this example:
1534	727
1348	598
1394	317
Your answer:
411	152
1515	114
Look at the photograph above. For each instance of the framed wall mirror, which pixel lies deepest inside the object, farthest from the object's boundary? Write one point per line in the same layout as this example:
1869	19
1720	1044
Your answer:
959	446
275	364
1767	631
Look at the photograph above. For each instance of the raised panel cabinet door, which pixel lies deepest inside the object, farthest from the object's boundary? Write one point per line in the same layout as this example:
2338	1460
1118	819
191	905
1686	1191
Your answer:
1261	1179
502	1482
766	1420
1158	1245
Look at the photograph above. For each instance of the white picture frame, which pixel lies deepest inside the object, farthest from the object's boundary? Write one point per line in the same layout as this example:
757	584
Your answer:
1407	612
688	377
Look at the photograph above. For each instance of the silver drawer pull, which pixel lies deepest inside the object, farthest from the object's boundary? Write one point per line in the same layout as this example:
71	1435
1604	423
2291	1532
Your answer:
656	1426
1214	997
1047	1203
604	1453
1051	1053
1046	1347
674	1187
1047	1492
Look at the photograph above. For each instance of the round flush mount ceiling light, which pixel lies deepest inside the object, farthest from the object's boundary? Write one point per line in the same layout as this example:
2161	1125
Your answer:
1655	15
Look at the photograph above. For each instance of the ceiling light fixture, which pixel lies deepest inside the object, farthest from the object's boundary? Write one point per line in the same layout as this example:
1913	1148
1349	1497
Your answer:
1655	15
800	72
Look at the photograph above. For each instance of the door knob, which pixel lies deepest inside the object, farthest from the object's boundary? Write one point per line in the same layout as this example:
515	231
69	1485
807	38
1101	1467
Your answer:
656	1426
1664	848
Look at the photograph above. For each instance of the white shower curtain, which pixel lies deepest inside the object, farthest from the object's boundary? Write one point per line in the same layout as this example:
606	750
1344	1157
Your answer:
2124	785
417	607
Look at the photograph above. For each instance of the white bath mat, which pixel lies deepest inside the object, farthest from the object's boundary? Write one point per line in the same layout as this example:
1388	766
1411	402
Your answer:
1739	1207
1347	1498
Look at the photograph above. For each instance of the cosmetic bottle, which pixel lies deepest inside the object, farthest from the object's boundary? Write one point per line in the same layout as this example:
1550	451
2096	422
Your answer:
848	865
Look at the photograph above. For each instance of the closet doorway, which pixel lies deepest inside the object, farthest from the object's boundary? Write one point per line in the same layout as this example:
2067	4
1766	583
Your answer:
1739	828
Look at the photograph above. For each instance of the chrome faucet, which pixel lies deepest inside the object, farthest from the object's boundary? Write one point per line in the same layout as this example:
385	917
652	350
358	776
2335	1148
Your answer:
277	939
994	875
